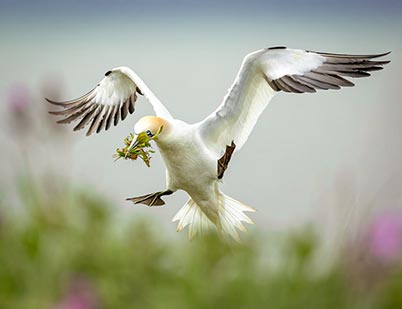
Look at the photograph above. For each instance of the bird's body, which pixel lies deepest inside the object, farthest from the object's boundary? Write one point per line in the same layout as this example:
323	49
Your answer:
188	161
191	166
196	155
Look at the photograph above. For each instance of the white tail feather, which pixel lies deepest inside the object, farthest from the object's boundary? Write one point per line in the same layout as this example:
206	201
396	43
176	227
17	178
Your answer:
230	212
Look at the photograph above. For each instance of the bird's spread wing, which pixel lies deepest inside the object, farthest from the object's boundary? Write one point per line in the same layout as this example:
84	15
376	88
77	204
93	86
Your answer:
110	101
268	71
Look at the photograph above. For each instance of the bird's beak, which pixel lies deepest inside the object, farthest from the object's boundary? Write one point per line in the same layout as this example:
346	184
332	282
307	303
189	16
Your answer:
134	143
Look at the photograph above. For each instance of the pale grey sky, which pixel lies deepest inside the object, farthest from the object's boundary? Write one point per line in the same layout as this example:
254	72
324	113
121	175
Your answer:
302	150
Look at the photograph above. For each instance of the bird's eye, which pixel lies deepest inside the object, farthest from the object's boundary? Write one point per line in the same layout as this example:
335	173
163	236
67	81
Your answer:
149	133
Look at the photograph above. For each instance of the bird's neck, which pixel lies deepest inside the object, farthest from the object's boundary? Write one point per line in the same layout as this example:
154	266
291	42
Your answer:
175	134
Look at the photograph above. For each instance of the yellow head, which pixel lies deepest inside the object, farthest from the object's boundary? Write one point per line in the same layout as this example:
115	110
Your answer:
151	125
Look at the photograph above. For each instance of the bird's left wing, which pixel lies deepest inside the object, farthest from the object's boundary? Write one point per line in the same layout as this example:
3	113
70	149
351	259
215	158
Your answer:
264	73
110	101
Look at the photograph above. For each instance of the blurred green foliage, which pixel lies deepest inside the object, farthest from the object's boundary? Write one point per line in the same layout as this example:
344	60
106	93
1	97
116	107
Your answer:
61	238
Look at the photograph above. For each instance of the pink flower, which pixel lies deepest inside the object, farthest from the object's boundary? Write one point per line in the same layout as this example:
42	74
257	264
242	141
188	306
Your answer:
80	295
385	236
18	103
19	98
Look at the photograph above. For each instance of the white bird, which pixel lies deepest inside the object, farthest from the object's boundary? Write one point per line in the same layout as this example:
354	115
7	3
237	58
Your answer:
196	155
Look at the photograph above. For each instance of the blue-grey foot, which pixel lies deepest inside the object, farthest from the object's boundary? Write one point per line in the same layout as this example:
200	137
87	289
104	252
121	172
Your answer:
152	199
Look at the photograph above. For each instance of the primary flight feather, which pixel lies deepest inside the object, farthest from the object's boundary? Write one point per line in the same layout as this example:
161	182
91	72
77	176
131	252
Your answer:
197	155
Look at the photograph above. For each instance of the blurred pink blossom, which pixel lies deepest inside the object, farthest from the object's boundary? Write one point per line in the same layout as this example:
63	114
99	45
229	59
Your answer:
385	236
372	257
80	295
19	98
18	103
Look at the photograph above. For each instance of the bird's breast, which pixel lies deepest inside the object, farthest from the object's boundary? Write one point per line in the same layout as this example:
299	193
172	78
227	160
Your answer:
188	162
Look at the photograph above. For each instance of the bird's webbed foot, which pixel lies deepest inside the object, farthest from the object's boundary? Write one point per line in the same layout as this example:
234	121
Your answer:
152	199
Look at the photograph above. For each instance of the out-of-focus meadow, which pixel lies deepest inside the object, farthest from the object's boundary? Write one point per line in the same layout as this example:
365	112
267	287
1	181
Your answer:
68	249
324	171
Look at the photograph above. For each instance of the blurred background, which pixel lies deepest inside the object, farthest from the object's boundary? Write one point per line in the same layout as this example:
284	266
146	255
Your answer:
323	171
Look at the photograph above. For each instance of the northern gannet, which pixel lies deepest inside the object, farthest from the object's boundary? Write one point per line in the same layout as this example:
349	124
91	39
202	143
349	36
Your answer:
196	155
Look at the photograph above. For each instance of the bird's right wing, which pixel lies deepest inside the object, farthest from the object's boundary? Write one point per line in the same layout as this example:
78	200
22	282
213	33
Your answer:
110	101
264	73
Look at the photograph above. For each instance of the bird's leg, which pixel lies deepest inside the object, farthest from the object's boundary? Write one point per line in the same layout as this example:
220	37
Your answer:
152	199
223	162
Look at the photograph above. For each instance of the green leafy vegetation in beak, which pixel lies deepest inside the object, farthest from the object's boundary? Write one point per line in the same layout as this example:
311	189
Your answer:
143	148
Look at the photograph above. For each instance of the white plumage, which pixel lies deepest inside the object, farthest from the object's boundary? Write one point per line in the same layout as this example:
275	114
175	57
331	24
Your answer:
196	155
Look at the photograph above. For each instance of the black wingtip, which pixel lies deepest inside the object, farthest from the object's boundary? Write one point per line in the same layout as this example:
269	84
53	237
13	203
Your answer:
57	113
276	47
380	55
55	102
381	63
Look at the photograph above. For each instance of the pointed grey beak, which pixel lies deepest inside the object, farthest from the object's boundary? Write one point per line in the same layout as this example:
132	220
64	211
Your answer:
133	144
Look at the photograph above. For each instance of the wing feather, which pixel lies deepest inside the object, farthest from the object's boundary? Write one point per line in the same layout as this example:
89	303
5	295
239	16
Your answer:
296	84
102	123
312	82
86	97
75	116
131	106
124	109
95	120
86	119
116	115
110	117
283	86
